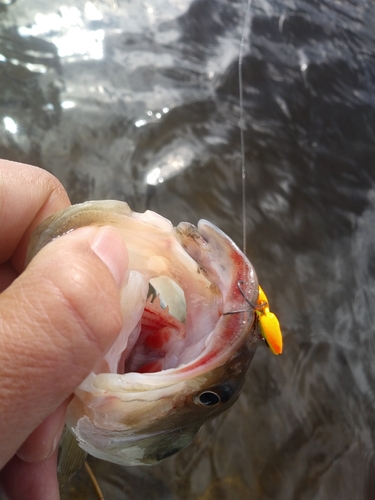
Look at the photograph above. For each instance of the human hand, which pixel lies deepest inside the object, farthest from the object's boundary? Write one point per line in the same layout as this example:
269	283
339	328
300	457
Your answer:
57	319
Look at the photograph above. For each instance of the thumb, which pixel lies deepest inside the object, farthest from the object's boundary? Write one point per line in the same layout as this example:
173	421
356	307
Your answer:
57	320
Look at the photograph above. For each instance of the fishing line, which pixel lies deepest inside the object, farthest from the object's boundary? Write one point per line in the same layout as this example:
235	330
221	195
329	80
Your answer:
94	481
256	307
240	88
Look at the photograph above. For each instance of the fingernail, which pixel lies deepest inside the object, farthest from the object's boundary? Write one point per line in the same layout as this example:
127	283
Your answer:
110	248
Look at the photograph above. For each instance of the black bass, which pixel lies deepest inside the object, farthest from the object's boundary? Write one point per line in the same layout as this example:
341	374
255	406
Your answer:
188	337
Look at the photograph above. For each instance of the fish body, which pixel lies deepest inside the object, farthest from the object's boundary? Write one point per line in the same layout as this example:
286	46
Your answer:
181	358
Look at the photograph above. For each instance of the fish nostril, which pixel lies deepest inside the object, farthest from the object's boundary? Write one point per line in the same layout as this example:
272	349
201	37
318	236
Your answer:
208	398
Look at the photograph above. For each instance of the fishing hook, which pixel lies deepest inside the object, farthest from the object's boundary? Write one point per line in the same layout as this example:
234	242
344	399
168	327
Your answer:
268	323
253	306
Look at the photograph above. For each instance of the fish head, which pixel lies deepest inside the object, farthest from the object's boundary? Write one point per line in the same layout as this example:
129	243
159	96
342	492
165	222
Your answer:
183	353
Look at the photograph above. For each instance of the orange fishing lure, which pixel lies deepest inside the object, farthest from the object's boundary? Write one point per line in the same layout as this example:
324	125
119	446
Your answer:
269	325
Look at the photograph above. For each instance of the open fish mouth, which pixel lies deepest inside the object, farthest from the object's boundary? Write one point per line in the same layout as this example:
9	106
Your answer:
181	357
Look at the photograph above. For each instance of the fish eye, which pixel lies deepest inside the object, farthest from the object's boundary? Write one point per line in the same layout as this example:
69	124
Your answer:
216	394
207	398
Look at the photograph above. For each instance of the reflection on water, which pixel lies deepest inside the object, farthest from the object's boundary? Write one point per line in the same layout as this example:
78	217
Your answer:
139	101
69	30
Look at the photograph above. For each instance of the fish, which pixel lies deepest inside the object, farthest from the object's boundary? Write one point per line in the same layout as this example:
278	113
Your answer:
188	337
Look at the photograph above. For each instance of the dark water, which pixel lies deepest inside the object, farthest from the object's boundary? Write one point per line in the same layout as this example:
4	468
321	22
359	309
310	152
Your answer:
103	93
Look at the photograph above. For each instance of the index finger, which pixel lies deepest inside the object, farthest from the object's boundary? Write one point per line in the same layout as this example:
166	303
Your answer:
27	196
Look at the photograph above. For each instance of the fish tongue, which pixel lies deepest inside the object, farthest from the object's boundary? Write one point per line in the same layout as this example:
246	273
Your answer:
133	300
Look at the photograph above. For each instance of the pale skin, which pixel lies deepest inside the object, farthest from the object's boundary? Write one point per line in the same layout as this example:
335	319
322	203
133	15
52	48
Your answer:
57	319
